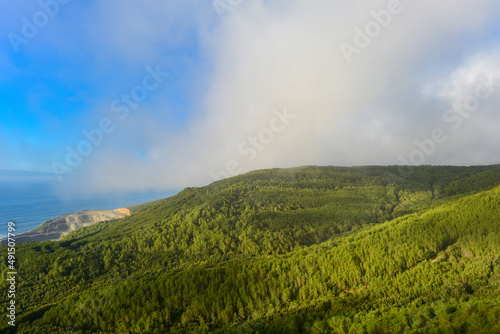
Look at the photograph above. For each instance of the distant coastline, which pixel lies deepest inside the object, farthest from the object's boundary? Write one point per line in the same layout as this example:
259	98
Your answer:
56	228
29	199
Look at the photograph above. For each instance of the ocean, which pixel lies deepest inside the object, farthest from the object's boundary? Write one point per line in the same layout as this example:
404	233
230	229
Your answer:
29	203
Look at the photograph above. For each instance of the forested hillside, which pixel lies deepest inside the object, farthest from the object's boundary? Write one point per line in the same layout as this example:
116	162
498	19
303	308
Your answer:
310	249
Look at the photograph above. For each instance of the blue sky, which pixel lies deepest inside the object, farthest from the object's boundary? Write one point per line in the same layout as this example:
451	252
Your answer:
52	86
264	84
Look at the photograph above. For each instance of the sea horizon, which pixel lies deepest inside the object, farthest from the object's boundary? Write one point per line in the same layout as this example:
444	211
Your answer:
29	199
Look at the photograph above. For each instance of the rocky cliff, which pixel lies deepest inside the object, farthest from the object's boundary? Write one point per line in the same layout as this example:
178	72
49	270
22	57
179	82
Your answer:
56	228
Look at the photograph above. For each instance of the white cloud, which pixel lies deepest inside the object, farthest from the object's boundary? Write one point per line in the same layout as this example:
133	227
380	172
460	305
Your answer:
268	55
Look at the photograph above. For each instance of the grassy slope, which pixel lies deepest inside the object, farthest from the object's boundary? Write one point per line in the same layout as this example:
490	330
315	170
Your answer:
254	218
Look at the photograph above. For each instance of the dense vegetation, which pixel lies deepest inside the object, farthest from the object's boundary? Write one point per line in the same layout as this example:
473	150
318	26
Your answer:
311	249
